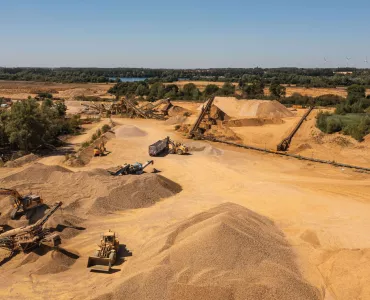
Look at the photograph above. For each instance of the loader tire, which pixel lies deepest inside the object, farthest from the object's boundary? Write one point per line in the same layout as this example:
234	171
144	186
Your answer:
179	152
112	257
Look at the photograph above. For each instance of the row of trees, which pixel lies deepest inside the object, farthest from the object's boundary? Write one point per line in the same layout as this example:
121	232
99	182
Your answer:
350	116
159	90
296	76
29	125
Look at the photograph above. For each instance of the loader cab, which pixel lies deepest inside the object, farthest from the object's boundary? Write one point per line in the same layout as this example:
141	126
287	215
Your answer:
109	237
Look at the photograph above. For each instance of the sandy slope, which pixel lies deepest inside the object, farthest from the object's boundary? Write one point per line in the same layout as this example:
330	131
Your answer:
323	212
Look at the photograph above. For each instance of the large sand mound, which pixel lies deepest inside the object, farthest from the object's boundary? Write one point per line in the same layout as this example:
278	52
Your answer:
228	252
251	108
126	131
94	192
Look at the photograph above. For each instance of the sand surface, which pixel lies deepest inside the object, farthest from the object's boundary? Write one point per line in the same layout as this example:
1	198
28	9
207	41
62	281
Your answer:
220	223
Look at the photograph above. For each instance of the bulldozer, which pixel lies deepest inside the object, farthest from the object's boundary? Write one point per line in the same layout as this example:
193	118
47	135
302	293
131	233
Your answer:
22	204
100	149
106	255
128	169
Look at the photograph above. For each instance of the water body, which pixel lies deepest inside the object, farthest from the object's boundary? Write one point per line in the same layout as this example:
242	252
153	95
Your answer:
128	79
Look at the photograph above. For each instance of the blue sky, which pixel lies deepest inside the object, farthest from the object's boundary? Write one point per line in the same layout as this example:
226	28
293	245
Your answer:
184	34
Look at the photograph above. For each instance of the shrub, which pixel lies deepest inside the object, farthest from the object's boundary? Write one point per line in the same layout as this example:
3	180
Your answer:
105	128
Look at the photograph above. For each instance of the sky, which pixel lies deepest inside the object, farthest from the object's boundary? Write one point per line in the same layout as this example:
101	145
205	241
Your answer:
184	34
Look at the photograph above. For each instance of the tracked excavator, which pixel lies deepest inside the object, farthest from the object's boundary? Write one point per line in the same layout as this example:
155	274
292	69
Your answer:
106	255
22	204
28	237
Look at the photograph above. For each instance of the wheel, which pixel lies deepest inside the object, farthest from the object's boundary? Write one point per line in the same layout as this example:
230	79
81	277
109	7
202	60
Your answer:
179	152
112	257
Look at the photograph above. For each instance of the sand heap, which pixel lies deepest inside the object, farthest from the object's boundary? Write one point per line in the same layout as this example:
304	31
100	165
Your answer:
251	108
228	252
127	131
21	161
92	192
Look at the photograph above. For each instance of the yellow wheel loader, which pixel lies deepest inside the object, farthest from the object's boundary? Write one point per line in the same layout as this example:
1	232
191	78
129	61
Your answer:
106	255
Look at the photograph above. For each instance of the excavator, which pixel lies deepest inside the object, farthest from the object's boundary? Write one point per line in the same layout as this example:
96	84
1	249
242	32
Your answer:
100	149
22	204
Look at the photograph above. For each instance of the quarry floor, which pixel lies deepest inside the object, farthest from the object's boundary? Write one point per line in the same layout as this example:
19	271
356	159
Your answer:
323	211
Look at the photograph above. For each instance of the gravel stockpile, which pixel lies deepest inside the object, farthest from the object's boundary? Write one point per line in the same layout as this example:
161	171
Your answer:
251	108
127	131
228	252
94	192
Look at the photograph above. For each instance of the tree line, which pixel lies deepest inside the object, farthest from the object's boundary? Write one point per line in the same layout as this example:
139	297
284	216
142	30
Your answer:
327	77
31	124
351	117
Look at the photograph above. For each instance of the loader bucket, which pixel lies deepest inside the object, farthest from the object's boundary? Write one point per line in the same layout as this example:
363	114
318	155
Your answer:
99	264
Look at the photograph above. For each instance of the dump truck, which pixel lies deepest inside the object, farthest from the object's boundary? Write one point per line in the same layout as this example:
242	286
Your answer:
28	237
128	169
167	146
106	254
22	204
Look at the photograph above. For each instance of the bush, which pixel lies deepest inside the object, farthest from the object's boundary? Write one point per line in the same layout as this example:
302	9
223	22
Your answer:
105	128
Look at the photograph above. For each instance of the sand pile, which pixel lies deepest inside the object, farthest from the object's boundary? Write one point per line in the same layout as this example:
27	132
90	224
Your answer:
251	108
175	120
126	131
177	111
228	252
55	262
348	272
94	192
21	161
204	148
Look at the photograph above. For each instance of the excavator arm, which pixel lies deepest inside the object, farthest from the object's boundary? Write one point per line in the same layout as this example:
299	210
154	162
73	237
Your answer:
14	194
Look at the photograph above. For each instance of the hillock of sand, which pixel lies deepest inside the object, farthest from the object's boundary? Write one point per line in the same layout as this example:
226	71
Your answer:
240	109
89	192
127	131
228	252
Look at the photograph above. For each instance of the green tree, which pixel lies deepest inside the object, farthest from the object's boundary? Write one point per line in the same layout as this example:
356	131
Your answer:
355	93
190	91
228	89
210	90
277	90
254	90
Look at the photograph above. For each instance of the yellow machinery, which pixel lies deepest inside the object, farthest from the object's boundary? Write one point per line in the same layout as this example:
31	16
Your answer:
106	255
177	148
100	149
22	205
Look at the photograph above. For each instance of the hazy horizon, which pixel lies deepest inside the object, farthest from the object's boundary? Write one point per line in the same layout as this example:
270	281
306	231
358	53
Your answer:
191	35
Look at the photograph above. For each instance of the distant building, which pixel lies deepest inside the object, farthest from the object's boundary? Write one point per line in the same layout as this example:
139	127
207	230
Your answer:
344	73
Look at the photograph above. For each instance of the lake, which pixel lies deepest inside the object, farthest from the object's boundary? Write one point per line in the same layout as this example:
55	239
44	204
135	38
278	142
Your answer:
128	79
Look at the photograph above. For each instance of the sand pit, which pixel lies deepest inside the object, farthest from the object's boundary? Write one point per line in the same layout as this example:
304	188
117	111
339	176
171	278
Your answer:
91	192
127	131
228	252
251	108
